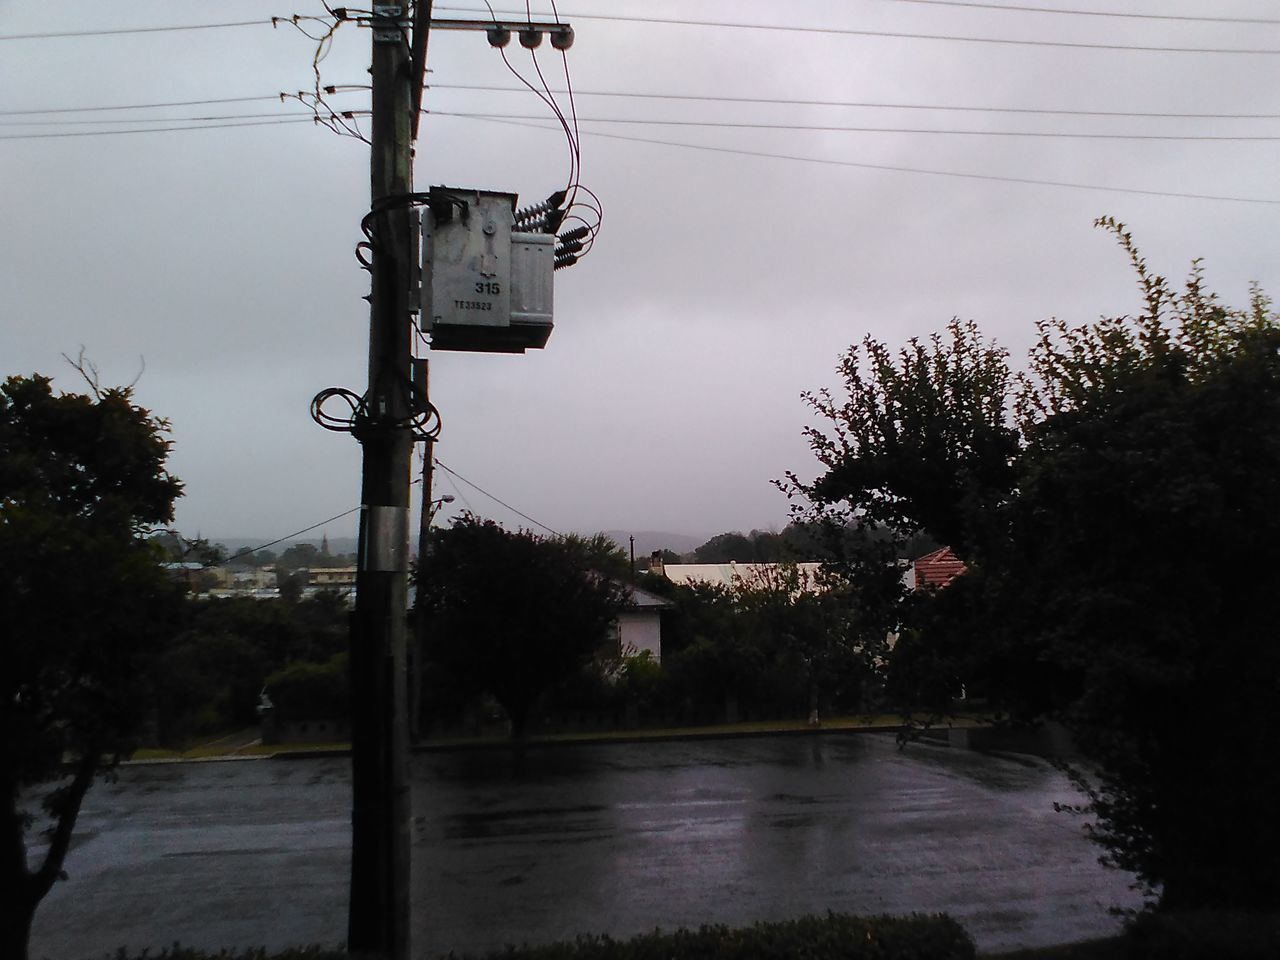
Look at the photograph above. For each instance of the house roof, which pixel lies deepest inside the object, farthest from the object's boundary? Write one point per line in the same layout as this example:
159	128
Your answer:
937	569
644	600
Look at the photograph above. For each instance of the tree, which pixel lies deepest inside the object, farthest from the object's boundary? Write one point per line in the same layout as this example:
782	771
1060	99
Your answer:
819	631
1116	508
84	608
513	613
299	556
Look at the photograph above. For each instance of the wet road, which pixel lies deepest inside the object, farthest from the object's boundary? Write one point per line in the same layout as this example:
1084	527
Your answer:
617	839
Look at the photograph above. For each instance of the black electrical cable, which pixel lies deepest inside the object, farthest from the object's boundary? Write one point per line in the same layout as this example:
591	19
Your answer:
497	500
271	543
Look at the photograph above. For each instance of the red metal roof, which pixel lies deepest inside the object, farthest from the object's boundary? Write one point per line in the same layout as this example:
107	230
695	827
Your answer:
937	569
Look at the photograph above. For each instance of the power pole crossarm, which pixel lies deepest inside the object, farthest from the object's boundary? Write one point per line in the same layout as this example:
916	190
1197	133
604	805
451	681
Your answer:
418	60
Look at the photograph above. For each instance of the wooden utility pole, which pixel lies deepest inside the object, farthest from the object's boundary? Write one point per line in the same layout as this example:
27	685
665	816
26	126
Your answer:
378	922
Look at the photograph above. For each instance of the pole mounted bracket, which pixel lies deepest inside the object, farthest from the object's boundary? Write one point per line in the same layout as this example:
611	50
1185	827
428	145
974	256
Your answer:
388	23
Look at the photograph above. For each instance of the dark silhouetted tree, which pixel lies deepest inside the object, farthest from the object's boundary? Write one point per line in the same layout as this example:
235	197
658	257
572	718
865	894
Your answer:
84	610
514	613
1117	509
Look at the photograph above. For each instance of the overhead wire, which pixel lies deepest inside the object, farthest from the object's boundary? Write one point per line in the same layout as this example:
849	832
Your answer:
139	106
836	128
893	168
591	214
335	120
877	104
122	31
701	124
1019	8
458	490
120	120
671	21
115	133
904	35
289	536
525	516
546	98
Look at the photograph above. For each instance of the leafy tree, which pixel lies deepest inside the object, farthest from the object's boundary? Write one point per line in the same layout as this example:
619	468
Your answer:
209	683
817	633
290	585
84	609
599	553
180	549
758	546
299	556
1116	507
247	557
512	613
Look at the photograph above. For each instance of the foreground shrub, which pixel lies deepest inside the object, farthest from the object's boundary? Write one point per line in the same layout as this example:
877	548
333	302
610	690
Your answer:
1205	935
835	936
312	691
177	952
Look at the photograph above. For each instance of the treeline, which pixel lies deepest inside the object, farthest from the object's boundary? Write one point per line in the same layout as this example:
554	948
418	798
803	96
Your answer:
797	542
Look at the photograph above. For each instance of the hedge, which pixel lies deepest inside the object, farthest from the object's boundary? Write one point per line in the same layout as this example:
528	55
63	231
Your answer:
835	936
1205	935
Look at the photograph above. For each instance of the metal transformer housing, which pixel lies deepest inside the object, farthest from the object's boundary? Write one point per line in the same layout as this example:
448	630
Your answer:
485	288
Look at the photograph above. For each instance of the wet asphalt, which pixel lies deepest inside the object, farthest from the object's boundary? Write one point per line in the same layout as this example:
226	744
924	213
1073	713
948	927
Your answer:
619	838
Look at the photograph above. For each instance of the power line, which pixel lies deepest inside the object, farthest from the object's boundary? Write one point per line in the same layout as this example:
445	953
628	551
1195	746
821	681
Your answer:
894	35
700	98
130	30
138	106
525	516
114	133
729	124
990	177
1093	13
310	115
781	101
288	536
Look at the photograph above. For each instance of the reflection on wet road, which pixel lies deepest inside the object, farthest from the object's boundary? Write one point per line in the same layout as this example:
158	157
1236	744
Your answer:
625	839
617	838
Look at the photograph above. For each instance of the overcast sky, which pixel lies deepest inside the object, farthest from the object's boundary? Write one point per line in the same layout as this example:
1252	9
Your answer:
722	285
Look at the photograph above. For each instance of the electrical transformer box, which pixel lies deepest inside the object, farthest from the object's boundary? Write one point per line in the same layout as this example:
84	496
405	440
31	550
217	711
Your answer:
485	287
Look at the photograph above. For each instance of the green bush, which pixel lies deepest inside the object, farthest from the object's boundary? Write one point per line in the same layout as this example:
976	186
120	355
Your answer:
177	952
1205	935
312	691
835	936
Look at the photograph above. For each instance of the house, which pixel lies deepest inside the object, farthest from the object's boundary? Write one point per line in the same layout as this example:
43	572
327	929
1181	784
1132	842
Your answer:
638	628
733	574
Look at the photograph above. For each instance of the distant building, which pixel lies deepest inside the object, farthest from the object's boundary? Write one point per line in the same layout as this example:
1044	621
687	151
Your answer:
733	574
638	628
330	578
188	572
